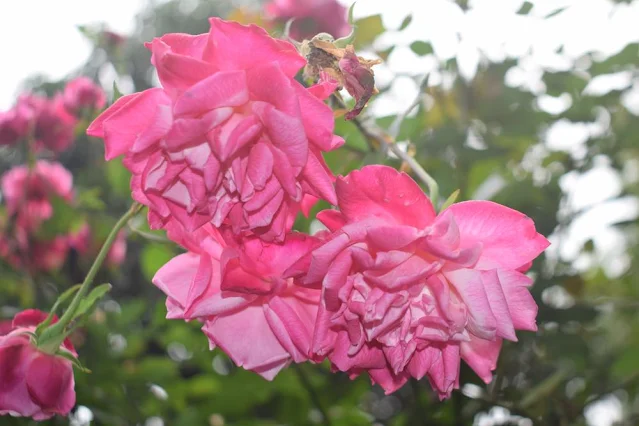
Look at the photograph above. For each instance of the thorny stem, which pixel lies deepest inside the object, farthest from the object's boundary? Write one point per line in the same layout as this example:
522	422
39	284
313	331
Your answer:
59	327
312	394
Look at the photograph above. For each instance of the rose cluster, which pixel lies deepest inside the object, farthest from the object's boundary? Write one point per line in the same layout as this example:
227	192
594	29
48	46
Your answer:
30	195
225	154
50	122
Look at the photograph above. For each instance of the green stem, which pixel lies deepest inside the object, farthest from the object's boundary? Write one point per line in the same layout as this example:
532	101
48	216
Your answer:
312	393
59	327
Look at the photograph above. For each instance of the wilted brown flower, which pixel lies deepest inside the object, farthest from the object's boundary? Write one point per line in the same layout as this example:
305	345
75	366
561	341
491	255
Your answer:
326	60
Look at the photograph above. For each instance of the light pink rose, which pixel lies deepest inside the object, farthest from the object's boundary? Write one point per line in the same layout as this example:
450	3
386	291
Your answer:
311	17
28	193
407	293
230	138
52	126
235	287
82	94
33	383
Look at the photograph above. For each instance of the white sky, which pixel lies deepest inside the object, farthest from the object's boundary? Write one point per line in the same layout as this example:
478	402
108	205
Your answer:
40	36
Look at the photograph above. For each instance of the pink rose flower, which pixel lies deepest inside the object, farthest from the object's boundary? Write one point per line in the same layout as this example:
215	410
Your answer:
230	138
117	253
6	326
28	193
22	252
13	127
407	293
235	287
53	127
33	383
83	94
311	17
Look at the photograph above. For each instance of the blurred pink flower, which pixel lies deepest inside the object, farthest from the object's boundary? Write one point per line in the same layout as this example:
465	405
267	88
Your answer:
311	17
33	383
235	287
28	196
112	39
52	126
13	127
407	293
22	252
230	138
82	241
82	94
117	253
28	193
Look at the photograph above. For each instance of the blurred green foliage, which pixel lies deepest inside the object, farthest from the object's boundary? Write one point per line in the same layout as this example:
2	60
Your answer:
145	367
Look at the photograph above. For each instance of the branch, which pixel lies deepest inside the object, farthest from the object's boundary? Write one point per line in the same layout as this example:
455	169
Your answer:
379	138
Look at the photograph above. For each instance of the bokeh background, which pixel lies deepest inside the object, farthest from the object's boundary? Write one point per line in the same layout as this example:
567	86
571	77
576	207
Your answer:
532	104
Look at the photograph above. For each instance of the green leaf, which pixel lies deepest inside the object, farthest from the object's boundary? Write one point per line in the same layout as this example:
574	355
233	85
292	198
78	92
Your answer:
116	92
153	258
91	199
450	200
61	299
406	22
76	362
368	29
350	13
65	218
118	177
555	12
525	8
421	48
87	305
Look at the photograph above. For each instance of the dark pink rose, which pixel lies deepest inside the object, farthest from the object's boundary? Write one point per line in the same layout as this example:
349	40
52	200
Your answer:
33	383
408	292
14	127
311	17
82	94
358	80
230	138
235	287
5	327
